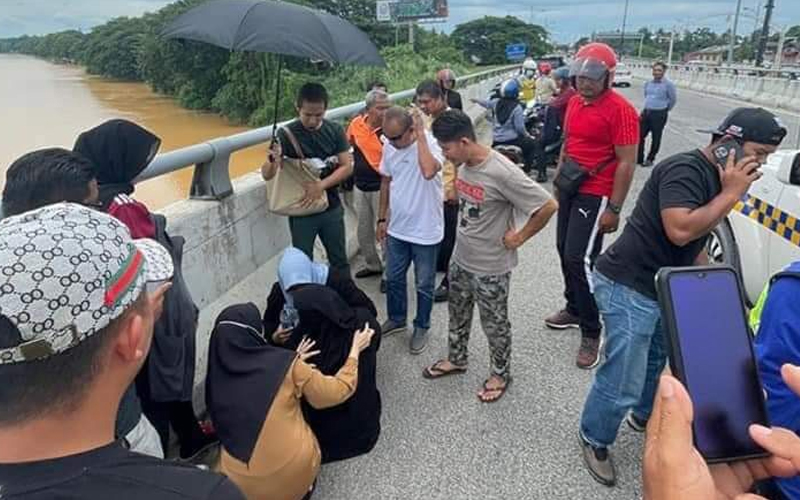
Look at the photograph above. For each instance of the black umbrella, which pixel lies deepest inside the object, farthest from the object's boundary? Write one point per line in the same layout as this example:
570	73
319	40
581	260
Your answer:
277	27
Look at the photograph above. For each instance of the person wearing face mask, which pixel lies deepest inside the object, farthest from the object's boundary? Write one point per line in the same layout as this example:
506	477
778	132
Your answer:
527	80
323	143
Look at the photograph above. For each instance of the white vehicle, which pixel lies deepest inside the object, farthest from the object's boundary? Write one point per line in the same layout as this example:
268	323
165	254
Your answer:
623	76
761	235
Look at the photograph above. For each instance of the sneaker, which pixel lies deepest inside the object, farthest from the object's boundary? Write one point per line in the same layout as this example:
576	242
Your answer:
419	341
390	327
562	320
648	163
441	294
636	423
599	463
588	354
383	286
541	178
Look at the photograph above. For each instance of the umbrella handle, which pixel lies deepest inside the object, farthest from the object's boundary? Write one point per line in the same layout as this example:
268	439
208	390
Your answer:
277	97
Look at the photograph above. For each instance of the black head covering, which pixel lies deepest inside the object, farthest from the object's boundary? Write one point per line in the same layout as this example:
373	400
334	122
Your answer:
244	375
505	106
120	150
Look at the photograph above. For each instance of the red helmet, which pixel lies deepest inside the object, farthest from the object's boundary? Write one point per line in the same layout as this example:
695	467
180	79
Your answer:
545	68
595	61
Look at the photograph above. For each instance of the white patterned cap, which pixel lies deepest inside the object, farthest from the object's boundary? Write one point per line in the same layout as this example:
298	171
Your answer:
66	272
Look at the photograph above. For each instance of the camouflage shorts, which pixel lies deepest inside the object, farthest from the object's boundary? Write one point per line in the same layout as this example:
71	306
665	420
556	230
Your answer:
491	294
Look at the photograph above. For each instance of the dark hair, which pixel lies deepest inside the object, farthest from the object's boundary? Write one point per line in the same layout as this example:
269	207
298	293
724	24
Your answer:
399	115
431	89
312	92
453	125
45	177
377	84
57	384
661	64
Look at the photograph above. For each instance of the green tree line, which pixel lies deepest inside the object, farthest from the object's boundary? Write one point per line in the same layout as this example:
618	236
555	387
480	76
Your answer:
239	85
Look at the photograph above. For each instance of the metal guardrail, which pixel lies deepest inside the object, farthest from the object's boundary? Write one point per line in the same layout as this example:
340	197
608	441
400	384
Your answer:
791	73
211	179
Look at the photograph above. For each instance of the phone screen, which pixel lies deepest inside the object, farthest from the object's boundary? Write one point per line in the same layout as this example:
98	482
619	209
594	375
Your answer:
718	362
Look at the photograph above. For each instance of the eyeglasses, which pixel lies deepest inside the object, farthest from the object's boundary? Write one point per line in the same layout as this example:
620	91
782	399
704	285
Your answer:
397	137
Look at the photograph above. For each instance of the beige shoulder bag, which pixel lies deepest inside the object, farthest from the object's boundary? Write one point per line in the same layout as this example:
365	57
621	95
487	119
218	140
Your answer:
287	192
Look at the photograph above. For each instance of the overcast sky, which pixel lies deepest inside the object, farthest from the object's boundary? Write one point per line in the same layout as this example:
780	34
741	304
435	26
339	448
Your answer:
565	19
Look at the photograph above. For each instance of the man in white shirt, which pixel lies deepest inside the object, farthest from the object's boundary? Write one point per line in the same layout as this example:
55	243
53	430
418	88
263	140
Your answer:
410	219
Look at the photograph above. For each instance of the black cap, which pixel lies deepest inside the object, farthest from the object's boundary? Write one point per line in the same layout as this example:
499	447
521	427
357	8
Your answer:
752	124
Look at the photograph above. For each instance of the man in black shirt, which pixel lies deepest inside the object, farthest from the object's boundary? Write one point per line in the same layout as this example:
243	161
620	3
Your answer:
686	196
78	302
323	143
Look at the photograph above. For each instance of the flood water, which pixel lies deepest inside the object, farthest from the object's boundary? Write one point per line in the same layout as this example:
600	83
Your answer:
44	105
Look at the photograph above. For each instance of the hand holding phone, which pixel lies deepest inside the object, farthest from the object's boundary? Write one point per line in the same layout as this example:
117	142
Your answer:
737	172
711	353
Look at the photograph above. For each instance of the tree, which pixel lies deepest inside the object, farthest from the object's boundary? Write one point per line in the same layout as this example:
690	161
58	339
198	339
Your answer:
486	39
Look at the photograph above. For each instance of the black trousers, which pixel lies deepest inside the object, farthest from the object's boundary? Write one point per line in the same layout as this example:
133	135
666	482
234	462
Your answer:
579	241
449	241
180	416
528	146
651	122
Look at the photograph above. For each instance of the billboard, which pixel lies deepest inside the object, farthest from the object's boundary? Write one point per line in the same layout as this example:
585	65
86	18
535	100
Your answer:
411	10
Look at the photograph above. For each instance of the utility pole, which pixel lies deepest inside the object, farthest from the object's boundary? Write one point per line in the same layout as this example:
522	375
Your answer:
624	24
779	52
762	43
732	44
641	45
411	34
671	45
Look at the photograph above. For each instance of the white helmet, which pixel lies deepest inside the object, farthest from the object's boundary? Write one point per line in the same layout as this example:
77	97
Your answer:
529	63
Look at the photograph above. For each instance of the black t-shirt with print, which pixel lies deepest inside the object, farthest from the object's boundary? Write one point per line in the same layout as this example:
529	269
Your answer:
686	180
328	140
112	472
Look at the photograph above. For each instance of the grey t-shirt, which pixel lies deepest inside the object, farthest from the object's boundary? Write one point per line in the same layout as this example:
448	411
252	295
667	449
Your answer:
489	194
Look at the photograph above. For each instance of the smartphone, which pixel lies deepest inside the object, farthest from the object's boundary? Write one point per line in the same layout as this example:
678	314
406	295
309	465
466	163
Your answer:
711	353
723	149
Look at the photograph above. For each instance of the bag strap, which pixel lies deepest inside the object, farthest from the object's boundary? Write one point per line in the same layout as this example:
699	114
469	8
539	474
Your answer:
595	170
293	141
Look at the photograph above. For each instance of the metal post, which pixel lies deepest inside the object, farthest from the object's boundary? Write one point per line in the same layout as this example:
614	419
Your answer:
411	34
762	43
732	43
641	45
624	24
779	52
671	44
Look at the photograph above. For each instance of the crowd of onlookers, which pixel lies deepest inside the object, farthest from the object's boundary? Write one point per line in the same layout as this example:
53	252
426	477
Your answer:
98	327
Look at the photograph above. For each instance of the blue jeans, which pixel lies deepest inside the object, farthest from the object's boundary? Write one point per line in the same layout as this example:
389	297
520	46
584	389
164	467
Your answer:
635	357
399	256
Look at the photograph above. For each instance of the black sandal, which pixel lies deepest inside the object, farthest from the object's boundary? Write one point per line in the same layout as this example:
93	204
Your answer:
435	371
501	390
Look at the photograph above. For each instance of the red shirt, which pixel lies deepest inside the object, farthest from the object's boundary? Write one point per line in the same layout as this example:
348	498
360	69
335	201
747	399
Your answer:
593	130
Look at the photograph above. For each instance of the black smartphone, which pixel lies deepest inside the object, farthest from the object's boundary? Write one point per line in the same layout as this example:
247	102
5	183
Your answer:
724	148
711	353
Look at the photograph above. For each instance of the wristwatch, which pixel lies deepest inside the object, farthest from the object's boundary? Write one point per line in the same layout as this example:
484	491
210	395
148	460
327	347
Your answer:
614	208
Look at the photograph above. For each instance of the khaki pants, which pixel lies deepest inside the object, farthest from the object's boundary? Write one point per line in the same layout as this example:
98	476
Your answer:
367	207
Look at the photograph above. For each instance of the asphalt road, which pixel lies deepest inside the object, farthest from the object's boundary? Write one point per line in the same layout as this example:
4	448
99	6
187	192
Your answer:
440	442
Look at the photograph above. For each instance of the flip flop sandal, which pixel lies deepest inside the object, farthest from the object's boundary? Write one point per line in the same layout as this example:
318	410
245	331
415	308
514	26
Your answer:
502	390
433	372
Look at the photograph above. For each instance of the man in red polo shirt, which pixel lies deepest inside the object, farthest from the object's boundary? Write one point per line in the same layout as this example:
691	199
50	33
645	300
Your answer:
602	134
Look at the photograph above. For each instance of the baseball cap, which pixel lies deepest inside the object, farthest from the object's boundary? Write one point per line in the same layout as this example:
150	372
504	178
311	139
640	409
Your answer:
66	272
751	124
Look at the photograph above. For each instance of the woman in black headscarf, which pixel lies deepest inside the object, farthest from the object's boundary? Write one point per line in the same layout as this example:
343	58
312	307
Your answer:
120	150
254	390
328	308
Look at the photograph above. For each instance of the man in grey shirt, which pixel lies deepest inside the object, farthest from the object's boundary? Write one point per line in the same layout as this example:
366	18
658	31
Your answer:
491	190
660	97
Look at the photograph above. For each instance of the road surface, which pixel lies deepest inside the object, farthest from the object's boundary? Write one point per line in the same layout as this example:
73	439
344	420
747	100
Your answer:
440	442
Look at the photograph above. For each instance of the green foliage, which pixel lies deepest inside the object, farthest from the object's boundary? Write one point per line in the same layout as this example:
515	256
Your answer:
240	86
485	39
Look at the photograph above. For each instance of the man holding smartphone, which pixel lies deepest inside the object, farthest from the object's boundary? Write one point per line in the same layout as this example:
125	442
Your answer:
686	196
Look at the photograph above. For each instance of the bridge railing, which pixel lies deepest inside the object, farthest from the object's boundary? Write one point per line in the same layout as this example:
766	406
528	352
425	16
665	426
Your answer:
211	179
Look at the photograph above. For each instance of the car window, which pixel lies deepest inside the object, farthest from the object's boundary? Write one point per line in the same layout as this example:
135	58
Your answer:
794	175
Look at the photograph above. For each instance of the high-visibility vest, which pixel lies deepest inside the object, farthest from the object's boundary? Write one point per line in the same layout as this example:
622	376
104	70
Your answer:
758	309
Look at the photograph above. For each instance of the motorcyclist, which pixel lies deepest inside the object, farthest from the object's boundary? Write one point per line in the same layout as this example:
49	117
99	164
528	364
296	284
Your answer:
545	86
447	80
527	80
554	116
509	122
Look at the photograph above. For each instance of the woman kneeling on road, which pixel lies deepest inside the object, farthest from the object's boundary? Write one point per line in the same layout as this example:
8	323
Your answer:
313	301
254	392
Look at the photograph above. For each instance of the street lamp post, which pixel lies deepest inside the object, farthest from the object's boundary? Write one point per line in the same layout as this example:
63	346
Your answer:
624	23
732	43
